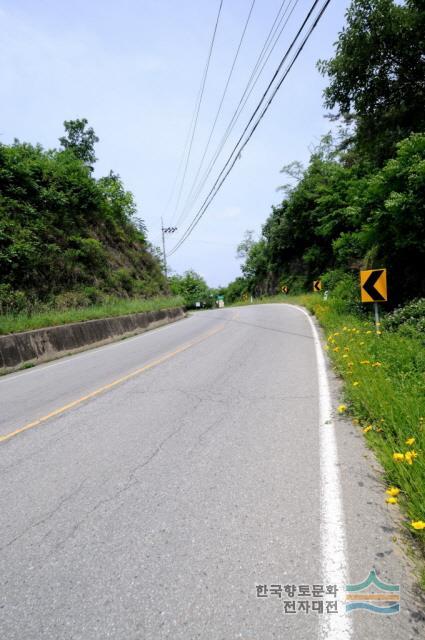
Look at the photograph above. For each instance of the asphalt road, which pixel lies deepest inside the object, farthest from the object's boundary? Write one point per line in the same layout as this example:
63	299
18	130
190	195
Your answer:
147	487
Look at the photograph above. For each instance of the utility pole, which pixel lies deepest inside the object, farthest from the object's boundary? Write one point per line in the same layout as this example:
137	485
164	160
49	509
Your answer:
165	230
163	247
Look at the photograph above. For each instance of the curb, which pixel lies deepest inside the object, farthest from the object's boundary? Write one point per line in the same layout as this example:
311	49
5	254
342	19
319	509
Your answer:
42	345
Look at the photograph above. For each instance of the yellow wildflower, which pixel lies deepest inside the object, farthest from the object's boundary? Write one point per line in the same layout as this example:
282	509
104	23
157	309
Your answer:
410	441
356	383
377	364
393	491
345	355
368	331
408	457
342	408
350	364
378	333
398	457
355	421
367	429
336	349
361	344
391	500
418	524
346	348
364	362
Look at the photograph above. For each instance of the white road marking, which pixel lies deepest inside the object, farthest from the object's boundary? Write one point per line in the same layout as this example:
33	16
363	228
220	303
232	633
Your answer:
332	527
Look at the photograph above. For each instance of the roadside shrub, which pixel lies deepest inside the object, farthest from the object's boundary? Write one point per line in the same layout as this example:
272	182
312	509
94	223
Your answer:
71	300
12	301
125	280
408	320
344	291
295	284
94	295
146	287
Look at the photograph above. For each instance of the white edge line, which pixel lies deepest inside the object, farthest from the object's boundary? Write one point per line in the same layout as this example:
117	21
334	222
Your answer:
332	526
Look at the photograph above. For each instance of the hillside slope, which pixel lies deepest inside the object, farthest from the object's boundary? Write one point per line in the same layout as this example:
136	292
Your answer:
66	238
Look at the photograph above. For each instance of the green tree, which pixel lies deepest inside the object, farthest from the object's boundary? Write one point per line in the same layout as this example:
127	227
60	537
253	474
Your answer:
377	75
337	220
119	203
360	201
390	209
245	246
236	290
192	287
80	139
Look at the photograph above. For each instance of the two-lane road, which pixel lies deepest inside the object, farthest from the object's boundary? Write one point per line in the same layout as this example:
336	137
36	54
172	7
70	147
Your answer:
149	486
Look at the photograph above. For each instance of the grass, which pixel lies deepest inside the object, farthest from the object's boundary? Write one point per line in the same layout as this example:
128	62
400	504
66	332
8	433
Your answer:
384	385
13	323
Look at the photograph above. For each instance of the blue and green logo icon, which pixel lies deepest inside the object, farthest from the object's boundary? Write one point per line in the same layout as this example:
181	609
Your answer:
373	595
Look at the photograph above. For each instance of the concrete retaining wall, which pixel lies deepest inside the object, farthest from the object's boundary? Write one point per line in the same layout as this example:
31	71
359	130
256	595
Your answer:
40	345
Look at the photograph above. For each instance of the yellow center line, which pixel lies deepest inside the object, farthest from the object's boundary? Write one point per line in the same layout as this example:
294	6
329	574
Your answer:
110	385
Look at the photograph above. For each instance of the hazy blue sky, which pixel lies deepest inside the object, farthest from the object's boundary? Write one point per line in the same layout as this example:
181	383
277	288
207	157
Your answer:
133	68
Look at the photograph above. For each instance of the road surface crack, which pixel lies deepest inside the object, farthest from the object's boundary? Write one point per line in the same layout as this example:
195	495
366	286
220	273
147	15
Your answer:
46	518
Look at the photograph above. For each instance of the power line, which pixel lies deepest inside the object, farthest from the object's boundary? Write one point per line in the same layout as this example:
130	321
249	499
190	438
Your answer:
252	81
237	152
253	115
198	107
221	103
234	118
217	185
238	148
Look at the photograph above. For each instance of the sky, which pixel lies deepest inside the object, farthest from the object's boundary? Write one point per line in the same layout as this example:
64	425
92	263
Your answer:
133	68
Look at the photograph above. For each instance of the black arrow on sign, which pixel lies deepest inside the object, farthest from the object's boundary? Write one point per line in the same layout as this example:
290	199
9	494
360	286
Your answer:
369	285
316	285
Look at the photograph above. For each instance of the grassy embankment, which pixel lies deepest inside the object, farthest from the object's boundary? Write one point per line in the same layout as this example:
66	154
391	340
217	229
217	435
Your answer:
384	384
12	323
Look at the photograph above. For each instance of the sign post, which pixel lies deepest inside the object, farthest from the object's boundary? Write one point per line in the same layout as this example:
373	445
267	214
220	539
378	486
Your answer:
377	322
373	288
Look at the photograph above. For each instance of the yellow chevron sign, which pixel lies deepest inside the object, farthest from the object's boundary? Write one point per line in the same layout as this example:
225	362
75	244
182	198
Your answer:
373	285
317	285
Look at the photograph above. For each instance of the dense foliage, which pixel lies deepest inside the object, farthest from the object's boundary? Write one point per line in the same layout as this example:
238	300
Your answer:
360	203
65	237
408	320
377	76
193	289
